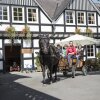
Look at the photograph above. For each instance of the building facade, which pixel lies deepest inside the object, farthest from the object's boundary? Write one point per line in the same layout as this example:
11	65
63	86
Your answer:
58	18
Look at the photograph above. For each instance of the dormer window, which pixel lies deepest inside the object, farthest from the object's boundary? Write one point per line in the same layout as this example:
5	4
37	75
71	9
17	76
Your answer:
32	15
4	11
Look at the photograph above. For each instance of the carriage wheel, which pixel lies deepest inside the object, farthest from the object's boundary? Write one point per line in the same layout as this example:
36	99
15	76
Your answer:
65	73
73	71
84	70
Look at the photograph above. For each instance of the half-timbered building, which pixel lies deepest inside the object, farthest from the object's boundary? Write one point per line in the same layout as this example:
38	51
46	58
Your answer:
58	18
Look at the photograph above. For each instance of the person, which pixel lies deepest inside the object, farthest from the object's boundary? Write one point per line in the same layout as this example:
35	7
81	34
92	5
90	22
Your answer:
64	53
59	49
79	53
71	52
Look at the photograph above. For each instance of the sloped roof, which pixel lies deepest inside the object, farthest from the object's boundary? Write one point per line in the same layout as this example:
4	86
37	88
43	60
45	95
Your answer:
53	8
97	5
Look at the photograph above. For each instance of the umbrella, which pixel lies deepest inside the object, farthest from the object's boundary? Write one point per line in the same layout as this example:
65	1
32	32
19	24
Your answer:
78	40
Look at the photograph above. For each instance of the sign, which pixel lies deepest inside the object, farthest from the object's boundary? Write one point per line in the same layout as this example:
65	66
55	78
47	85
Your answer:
26	51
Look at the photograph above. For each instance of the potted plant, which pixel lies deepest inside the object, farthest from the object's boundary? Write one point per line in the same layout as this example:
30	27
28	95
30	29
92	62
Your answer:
98	59
89	31
77	30
26	32
11	32
38	65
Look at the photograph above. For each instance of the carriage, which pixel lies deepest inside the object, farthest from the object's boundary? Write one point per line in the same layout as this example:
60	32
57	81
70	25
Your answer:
49	57
63	66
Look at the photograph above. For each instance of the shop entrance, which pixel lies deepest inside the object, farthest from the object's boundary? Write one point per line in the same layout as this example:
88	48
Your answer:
12	56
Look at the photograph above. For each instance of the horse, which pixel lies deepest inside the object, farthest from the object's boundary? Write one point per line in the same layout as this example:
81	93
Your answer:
49	58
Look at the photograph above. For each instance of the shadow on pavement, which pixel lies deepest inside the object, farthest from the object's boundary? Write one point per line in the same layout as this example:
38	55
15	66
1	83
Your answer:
10	90
94	73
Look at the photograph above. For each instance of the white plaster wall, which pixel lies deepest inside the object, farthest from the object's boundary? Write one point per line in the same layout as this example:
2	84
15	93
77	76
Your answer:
98	20
18	27
93	29
34	28
59	29
3	27
27	55
46	28
0	43
7	41
1	54
44	19
26	43
60	20
1	65
28	63
70	29
99	29
51	40
17	41
36	43
57	40
21	27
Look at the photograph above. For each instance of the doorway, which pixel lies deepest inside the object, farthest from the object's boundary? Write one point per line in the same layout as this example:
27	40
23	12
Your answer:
12	54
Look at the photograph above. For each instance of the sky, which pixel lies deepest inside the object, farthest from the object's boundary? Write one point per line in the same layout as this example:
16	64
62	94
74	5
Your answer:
97	1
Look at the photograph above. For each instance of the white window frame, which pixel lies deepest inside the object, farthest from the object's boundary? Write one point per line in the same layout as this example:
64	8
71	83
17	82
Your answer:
94	18
36	15
7	14
23	16
73	14
84	18
93	52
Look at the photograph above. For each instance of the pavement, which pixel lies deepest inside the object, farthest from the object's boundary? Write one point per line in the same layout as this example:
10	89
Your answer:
28	86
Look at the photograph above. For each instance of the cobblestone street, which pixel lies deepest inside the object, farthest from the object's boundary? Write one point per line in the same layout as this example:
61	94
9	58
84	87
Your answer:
28	86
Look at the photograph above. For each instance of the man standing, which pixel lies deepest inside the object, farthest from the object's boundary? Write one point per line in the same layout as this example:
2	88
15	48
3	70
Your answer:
71	52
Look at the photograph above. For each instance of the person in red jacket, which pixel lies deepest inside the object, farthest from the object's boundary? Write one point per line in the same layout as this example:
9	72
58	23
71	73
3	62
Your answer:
71	52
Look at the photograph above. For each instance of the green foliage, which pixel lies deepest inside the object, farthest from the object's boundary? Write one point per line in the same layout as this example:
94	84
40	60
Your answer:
98	59
11	32
77	30
98	55
37	61
26	32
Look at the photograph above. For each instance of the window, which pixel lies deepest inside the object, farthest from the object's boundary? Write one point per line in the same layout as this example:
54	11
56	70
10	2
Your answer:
4	13
69	17
32	15
91	18
18	14
80	17
90	51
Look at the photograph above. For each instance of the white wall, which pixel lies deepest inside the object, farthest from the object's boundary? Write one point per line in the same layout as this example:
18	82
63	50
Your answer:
3	27
27	55
59	29
34	28
70	29
0	43
26	43
46	28
44	19
98	20
60	20
28	63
